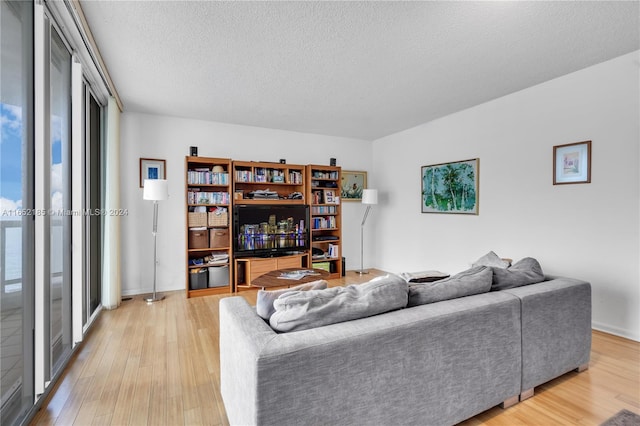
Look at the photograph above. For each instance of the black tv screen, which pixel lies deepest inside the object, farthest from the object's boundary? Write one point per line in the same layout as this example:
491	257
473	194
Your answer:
270	230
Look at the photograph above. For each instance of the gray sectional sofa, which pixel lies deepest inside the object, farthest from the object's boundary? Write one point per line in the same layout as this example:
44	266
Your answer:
433	364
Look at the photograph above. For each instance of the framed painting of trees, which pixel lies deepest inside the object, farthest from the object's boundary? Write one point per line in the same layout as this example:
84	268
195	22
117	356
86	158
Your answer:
451	187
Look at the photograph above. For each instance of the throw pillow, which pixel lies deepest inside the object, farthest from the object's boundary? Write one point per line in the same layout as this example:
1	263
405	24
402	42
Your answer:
301	310
493	260
524	272
472	281
265	299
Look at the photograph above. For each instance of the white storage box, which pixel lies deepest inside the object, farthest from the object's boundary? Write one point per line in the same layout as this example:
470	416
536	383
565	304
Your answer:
219	276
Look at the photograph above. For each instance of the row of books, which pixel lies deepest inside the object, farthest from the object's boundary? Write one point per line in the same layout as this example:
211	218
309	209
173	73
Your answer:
201	197
263	175
317	174
295	178
327	222
244	176
268	175
207	177
324	210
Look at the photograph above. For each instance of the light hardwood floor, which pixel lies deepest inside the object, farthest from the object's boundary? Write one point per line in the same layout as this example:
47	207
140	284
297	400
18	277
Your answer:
157	364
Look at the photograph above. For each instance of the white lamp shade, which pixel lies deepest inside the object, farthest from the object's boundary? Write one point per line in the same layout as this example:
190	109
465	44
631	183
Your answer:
155	189
369	196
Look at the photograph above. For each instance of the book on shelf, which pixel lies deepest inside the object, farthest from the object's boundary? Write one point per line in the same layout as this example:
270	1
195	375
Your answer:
333	251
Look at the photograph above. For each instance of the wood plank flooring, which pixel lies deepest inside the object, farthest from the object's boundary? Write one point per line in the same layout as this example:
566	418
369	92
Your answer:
158	364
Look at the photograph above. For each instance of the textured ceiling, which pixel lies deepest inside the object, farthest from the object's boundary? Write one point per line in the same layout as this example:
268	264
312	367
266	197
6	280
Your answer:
356	69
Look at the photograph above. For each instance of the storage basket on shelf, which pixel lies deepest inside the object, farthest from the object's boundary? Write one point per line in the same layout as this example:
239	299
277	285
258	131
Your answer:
218	218
198	238
218	276
219	238
197	219
198	278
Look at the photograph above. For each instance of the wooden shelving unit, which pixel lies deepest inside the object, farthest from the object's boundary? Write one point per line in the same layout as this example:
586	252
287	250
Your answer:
268	183
215	184
323	196
208	183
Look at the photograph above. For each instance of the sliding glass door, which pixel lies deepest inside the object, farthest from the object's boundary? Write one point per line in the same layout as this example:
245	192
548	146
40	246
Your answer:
16	205
51	141
60	204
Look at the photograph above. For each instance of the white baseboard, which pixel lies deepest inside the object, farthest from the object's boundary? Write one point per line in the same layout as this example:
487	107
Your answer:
138	291
615	331
134	292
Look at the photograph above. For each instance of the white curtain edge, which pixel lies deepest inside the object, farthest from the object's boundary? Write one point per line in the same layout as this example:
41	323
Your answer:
111	274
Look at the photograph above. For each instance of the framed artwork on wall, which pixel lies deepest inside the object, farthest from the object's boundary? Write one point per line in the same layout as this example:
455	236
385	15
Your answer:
352	185
572	163
451	187
151	168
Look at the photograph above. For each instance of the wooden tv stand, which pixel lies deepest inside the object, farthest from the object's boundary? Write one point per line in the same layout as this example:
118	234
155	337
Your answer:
247	269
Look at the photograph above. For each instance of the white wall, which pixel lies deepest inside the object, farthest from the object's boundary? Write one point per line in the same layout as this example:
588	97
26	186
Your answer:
169	138
587	231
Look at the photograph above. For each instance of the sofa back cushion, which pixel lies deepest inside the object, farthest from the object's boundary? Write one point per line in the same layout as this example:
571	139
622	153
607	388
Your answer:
524	272
265	298
472	281
301	310
493	260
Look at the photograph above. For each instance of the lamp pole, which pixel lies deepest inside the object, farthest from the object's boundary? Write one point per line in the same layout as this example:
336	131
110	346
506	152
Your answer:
155	190
154	297
364	219
369	197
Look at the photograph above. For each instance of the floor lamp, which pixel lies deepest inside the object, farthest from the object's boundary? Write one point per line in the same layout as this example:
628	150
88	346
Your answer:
155	190
369	197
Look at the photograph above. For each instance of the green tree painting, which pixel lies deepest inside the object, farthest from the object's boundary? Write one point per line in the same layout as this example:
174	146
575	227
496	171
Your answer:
450	187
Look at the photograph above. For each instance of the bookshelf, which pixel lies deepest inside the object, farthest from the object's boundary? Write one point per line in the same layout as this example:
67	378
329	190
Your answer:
208	202
323	195
268	183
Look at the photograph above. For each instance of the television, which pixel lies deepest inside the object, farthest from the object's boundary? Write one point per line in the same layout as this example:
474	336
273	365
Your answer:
264	230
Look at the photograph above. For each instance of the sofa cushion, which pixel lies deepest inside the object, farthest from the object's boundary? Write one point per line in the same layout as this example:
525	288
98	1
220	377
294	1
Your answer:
493	260
301	310
265	299
524	272
466	283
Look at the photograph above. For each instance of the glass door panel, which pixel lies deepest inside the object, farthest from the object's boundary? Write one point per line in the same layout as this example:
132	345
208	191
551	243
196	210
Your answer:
95	201
60	218
16	202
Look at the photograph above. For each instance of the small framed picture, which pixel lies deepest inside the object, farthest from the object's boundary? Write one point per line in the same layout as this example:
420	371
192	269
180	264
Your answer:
352	185
151	168
572	163
329	197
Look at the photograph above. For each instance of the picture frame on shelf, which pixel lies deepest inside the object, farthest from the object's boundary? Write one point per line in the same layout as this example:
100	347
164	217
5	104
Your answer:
352	185
572	163
152	168
329	197
451	187
318	197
